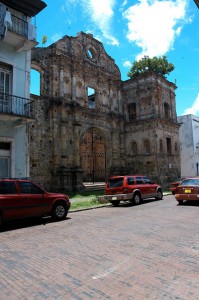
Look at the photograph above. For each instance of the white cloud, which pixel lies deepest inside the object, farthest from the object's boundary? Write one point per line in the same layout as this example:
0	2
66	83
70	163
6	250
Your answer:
101	13
127	64
154	25
194	109
56	37
123	4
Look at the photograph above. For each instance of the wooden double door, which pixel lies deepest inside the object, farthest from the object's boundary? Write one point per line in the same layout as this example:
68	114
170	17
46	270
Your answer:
93	156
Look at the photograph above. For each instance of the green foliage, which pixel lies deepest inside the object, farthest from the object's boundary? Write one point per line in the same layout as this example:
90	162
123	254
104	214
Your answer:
44	39
158	65
85	200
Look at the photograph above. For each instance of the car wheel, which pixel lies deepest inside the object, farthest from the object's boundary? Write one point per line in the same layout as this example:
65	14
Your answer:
137	199
59	211
180	202
115	203
159	195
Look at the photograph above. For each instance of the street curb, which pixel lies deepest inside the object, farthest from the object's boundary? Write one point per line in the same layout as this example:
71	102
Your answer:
95	207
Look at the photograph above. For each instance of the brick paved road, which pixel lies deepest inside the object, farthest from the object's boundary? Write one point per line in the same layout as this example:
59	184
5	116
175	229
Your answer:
149	251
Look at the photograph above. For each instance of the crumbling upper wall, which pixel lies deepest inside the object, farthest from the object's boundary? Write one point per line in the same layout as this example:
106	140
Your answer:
72	65
87	50
152	95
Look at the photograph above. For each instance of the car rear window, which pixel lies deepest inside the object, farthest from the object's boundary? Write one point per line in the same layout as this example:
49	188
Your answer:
190	182
115	182
8	188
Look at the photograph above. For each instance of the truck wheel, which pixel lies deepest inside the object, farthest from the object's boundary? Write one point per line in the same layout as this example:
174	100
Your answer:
115	203
137	199
180	202
59	211
159	195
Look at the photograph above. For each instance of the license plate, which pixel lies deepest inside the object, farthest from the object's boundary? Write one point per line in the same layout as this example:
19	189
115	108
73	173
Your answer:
187	191
114	198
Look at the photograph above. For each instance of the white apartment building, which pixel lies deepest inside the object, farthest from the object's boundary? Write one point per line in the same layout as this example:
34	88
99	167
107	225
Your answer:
17	38
189	145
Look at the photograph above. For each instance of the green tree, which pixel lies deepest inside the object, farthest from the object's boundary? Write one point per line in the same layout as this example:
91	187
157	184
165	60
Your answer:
158	65
44	39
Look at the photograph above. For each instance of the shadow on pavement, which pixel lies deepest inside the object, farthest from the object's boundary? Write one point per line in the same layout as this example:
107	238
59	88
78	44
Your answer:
25	223
128	203
190	203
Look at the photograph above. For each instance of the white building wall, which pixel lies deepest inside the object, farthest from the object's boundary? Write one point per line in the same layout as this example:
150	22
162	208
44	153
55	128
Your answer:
189	145
20	61
9	132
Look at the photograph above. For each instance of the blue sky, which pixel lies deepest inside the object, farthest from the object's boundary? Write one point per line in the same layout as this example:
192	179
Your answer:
130	29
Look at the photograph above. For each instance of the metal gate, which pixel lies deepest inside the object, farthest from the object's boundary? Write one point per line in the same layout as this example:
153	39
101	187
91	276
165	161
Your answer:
93	156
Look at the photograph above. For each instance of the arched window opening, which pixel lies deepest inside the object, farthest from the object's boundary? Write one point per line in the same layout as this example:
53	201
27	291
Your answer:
35	82
161	146
132	111
166	110
134	148
168	140
91	97
146	145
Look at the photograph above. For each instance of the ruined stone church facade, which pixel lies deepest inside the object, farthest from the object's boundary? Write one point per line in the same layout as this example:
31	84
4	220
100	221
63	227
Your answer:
89	124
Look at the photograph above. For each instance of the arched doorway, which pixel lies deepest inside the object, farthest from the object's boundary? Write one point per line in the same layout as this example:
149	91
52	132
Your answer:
93	156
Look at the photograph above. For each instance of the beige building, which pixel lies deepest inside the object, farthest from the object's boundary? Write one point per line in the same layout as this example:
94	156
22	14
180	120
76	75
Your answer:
90	124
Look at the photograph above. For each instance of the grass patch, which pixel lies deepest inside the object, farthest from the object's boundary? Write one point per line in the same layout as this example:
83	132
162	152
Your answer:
88	199
85	199
86	194
84	204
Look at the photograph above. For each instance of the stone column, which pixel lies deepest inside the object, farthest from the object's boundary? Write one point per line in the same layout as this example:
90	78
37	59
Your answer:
77	184
119	101
76	154
73	88
111	100
61	82
63	139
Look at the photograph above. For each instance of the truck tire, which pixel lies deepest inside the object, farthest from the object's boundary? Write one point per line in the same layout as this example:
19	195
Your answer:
59	211
159	195
115	203
137	199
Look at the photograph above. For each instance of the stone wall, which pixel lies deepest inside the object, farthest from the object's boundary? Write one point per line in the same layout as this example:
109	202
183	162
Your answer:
118	128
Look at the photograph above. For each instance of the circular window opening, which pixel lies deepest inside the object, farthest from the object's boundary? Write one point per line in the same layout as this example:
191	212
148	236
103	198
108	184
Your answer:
90	54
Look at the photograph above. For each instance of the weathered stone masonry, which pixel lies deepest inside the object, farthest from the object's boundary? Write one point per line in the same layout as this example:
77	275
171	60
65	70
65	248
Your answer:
120	127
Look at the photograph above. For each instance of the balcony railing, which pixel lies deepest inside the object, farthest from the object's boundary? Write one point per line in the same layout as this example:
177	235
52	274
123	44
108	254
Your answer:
19	26
14	105
22	28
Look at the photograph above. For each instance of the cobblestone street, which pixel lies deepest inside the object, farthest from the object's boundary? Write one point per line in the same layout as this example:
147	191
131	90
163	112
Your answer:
150	251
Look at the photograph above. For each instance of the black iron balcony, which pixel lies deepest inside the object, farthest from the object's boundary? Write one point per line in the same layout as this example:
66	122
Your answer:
18	33
14	105
19	26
